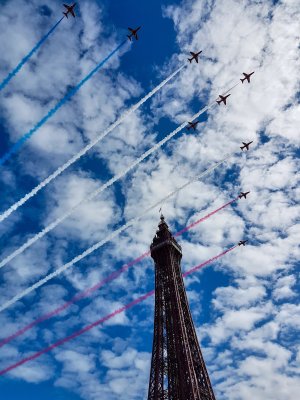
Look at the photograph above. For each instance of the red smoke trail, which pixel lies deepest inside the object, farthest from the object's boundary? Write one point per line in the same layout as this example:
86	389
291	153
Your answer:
204	218
74	299
190	271
100	284
78	333
103	319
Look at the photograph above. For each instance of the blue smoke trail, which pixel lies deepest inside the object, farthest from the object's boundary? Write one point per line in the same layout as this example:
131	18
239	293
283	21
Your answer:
26	58
67	97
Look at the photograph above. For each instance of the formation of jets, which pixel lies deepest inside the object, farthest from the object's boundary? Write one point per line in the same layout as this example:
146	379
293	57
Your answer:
195	56
133	33
70	10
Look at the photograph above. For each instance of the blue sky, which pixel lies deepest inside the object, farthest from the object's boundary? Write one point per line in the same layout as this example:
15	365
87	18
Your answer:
246	306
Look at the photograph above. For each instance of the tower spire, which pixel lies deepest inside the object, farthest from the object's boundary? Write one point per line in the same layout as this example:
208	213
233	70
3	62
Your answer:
178	371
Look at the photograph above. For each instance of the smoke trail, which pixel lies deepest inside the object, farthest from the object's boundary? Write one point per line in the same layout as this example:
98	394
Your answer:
82	152
106	240
61	102
100	284
96	192
14	72
187	228
189	272
103	319
74	299
78	333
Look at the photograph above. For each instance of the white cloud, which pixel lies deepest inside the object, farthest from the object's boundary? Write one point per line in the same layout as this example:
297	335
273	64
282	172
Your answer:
76	362
284	288
247	294
88	222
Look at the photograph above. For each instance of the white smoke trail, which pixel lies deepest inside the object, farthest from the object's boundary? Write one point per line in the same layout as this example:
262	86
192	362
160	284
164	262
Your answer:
55	223
82	152
107	239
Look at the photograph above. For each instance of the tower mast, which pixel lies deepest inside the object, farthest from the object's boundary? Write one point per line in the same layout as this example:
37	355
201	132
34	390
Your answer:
178	370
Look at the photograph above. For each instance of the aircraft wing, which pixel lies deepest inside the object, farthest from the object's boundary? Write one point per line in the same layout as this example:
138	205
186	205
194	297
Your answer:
65	5
136	36
130	29
72	12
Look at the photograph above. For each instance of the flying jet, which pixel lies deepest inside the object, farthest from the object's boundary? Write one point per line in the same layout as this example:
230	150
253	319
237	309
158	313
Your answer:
247	76
195	56
133	32
242	242
242	194
70	9
245	145
193	125
222	99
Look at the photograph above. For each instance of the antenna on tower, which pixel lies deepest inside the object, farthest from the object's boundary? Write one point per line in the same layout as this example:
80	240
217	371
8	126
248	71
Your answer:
161	214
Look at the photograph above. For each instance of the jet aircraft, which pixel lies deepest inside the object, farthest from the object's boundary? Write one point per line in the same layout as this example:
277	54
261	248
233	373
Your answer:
133	33
247	76
195	56
242	242
222	99
193	125
245	145
242	194
70	9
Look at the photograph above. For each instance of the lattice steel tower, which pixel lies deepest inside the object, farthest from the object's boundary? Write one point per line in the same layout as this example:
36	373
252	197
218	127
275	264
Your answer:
178	371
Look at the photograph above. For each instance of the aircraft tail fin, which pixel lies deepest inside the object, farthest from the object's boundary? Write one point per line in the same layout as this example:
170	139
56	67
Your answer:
65	14
190	60
129	37
241	148
242	80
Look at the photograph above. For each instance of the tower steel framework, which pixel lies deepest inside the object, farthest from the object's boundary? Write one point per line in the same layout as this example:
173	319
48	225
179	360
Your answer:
178	370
